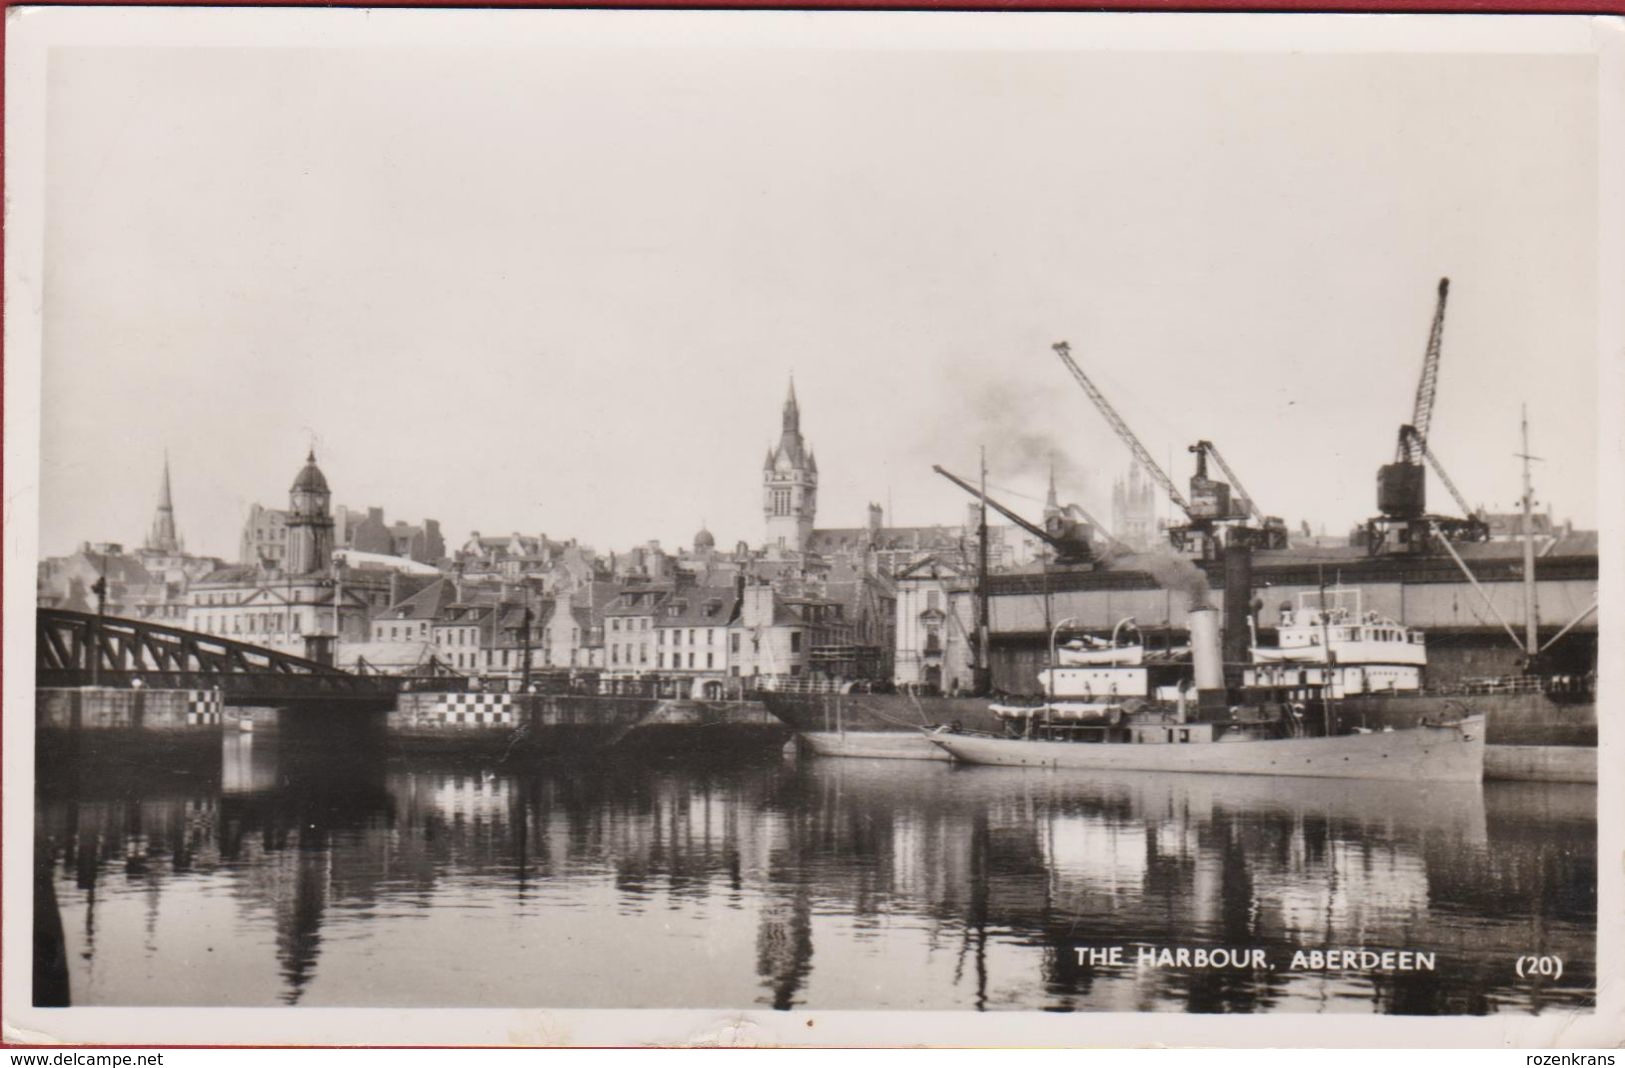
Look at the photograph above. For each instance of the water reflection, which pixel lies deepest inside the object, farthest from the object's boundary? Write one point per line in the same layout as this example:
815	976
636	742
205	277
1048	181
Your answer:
313	877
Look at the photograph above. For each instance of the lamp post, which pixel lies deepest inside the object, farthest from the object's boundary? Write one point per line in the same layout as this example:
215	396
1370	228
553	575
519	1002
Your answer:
99	588
338	600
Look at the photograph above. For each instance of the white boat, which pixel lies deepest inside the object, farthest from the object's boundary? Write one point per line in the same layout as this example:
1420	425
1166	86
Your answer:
1329	642
1434	753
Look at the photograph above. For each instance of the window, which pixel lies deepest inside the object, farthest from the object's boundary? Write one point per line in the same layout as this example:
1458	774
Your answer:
795	641
660	637
933	600
733	641
690	659
710	660
691	635
781	501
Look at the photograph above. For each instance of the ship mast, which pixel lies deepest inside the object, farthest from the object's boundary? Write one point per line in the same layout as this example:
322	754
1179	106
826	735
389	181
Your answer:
1531	609
981	677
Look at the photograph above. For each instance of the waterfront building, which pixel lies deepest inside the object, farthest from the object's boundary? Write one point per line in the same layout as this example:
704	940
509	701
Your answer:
280	610
629	627
283	606
691	630
458	634
936	625
409	619
778	637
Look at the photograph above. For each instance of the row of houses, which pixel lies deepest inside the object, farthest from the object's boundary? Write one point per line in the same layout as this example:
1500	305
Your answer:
741	630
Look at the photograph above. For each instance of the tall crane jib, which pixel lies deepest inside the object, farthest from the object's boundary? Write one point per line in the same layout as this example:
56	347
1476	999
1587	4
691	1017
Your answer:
1072	541
1404	524
1210	503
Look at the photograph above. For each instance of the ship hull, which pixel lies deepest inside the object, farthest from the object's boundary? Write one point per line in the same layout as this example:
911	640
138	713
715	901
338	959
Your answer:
871	745
887	712
1425	754
877	726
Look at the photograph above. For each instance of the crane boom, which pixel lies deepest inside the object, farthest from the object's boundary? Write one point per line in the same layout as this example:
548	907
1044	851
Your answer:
1111	539
1427	387
1031	528
1160	477
1070	545
1235	481
1438	469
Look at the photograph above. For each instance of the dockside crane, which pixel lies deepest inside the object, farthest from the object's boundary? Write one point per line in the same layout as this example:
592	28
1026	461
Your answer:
1404	525
1210	502
1271	531
1070	539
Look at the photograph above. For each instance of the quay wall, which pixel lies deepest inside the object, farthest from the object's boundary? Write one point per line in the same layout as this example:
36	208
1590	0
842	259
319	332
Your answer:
1540	763
75	725
1513	719
554	724
715	727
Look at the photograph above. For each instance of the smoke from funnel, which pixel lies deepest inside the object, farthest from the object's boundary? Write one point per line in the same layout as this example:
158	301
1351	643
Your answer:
1011	420
1181	576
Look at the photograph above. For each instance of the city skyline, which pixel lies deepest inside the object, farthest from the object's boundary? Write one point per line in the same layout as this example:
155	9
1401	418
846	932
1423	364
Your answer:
592	339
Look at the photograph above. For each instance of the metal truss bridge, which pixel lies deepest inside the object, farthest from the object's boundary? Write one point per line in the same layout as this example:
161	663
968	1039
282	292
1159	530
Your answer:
83	649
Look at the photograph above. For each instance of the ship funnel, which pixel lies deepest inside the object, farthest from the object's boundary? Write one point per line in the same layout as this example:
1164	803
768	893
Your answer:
1205	655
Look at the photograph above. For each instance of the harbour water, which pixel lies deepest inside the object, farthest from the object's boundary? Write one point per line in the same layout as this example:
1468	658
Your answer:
315	876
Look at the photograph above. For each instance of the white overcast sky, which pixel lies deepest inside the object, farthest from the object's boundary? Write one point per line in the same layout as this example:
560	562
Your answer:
560	287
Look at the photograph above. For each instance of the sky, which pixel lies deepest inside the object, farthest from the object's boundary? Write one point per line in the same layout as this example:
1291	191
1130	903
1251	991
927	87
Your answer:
563	289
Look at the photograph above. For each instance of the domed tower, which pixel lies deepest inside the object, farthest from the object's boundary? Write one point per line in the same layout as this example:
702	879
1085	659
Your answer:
704	542
790	485
310	521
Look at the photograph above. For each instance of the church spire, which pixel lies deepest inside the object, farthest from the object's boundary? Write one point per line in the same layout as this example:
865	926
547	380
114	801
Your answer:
792	411
1052	503
162	537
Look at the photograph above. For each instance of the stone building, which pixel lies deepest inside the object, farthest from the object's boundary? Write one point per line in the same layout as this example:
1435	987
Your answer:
936	624
629	628
691	630
790	485
310	522
423	543
303	603
1134	510
779	637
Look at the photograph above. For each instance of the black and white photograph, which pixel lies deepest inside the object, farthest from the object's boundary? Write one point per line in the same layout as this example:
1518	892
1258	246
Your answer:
773	527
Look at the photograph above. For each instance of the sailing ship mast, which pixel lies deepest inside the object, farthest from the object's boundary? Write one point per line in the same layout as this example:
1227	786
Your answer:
981	675
1531	609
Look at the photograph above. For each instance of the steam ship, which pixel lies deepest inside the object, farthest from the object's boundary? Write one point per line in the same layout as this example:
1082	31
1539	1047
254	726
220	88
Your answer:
1108	712
1373	669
